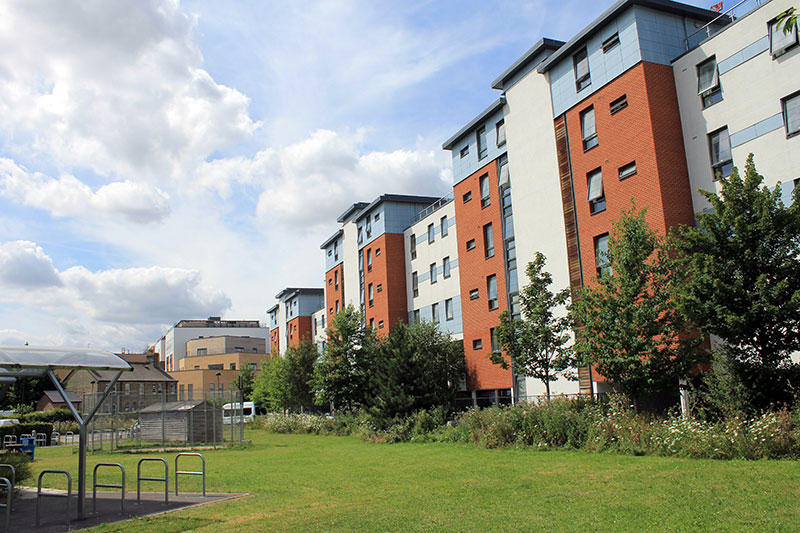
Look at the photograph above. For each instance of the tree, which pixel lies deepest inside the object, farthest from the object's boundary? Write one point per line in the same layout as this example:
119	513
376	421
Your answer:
742	274
269	389
787	20
418	367
629	327
342	375
300	363
536	344
244	382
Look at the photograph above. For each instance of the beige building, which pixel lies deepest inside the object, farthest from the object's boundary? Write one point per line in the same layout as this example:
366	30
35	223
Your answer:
213	364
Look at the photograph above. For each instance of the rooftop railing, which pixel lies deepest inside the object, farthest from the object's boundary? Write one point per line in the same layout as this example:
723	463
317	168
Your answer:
736	12
441	202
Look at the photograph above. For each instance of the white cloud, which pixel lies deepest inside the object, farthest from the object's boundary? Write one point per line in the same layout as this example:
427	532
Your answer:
23	264
115	87
69	197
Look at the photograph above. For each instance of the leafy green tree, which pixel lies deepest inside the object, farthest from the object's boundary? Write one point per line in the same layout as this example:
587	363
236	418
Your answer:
244	382
628	325
300	363
270	389
537	345
418	367
342	376
742	277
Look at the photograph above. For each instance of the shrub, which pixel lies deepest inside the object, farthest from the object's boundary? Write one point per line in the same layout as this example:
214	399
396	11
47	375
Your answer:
21	464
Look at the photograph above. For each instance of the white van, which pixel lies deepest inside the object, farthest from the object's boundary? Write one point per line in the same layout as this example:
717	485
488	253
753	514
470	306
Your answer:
231	412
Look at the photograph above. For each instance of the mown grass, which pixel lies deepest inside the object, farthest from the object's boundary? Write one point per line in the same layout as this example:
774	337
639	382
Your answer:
304	482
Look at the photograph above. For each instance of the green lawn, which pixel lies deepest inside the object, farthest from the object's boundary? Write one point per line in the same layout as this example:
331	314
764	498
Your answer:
306	482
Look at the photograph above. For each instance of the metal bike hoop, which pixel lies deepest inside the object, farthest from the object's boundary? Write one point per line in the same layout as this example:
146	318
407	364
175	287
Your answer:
164	480
95	484
190	472
39	494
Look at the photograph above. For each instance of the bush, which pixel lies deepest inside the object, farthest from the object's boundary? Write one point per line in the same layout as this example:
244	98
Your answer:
21	464
26	428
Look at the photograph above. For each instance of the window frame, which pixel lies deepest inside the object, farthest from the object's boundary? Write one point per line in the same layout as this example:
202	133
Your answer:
628	173
480	138
581	81
448	309
412	245
431	235
610	43
500	132
435	313
617	105
711	93
414	284
600	266
446	267
721	164
792	42
488	240
444	228
466	197
493	301
589	140
483	183
784	101
432	273
464	152
470	244
597	202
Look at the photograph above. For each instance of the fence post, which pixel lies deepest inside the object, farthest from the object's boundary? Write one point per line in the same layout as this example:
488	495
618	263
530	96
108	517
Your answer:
163	415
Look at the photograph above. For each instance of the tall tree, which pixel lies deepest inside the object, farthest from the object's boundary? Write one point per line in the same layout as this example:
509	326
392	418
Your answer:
742	266
300	363
269	389
244	382
537	345
629	327
342	376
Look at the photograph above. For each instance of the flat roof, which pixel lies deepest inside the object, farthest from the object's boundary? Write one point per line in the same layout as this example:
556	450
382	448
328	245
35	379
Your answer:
500	102
271	309
543	44
667	6
350	210
396	199
288	292
331	239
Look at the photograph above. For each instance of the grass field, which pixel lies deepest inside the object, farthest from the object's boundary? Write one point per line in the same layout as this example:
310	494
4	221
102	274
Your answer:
304	482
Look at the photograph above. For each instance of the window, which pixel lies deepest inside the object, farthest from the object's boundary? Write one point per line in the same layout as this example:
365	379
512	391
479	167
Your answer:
720	145
232	366
485	196
336	278
627	171
330	281
493	340
470	244
371	295
430	233
240	348
708	82
416	316
377	252
601	254
477	344
189	391
415	284
360	235
443	229
368	227
464	152
435	313
467	196
448	309
791	114
330	252
610	43
202	351
580	62
369	259
619	104
502	174
473	294
337	306
597	199
491	291
480	136
446	267
377	217
127	388
433	273
780	42
588	129
412	245
216	367
500	128
379	288
330	310
336	250
372	323
488	241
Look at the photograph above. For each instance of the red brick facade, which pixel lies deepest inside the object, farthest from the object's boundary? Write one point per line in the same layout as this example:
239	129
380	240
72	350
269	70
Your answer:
299	330
475	268
334	290
274	341
388	279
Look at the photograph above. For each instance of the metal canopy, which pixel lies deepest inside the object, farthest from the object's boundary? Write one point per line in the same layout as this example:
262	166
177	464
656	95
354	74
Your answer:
32	361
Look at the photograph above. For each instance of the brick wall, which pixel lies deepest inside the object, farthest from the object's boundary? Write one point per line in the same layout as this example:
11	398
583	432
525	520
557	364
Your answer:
388	272
299	330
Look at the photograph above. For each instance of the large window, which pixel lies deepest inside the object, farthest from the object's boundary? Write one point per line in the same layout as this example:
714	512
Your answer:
371	296
597	198
446	267
443	226
435	313
369	259
448	309
581	65
485	195
412	245
791	114
433	273
430	233
415	284
601	254
491	291
708	82
488	240
500	128
588	129
480	136
780	42
720	146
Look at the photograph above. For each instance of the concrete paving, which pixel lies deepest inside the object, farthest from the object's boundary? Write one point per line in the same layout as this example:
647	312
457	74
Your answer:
53	511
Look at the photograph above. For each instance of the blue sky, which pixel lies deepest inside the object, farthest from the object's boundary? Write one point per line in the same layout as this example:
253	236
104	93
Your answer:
164	160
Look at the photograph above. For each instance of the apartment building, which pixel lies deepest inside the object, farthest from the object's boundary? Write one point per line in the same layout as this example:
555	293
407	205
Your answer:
739	93
291	319
172	346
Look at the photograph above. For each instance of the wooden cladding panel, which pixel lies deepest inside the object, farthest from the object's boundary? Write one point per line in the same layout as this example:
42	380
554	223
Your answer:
568	204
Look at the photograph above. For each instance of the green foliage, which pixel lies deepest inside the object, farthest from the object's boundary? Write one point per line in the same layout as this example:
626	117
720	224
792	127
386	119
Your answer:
742	271
628	325
536	344
26	428
53	416
342	376
269	388
24	393
244	382
21	464
787	20
417	367
299	375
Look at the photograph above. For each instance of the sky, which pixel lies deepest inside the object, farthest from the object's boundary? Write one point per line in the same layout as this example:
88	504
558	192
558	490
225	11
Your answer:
165	160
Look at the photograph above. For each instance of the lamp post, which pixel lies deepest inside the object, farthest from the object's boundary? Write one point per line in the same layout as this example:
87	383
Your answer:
218	390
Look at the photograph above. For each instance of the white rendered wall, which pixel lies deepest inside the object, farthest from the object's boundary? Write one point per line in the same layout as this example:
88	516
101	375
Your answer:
175	339
536	192
752	92
350	257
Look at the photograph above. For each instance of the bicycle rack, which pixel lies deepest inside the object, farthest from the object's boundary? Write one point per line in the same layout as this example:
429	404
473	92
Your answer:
95	484
164	479
39	494
71	436
7	506
41	440
190	472
13	480
55	438
9	439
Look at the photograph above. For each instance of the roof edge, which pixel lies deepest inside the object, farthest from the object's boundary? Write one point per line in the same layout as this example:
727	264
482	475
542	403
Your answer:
500	102
544	43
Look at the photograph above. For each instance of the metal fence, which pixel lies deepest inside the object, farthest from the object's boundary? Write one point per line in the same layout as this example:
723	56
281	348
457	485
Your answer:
131	421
